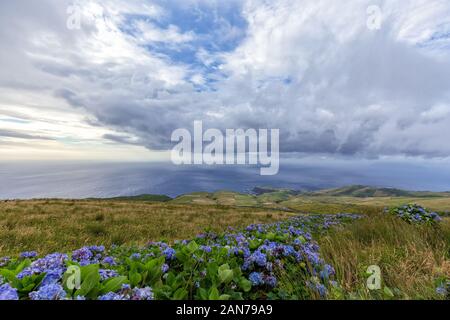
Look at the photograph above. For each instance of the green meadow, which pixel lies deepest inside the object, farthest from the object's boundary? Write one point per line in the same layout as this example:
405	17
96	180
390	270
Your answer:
412	258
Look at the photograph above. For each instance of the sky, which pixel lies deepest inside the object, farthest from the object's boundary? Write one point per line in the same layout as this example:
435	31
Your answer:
112	80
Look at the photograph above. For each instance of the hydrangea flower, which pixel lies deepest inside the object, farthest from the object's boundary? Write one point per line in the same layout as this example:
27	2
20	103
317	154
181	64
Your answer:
169	253
28	255
49	292
82	255
165	268
327	272
207	249
442	289
54	263
271	281
259	258
142	294
318	287
110	261
256	279
52	277
111	296
4	261
126	293
415	214
8	293
136	256
106	274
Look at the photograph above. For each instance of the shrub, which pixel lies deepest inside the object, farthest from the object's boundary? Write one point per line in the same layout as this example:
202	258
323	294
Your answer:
415	214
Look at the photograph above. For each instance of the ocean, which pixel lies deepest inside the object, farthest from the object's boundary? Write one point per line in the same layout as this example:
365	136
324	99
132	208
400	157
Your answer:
25	180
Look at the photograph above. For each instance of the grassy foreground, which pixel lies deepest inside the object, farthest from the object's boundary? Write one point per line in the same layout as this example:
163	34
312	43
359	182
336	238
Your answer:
414	260
64	225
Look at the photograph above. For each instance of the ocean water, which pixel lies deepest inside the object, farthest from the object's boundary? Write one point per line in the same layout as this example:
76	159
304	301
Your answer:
25	180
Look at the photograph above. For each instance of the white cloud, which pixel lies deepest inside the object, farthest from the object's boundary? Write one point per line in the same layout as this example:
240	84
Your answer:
311	68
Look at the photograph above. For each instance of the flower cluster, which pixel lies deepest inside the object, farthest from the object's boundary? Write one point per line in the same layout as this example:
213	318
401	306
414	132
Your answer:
415	214
88	255
126	293
8	293
52	291
54	264
238	264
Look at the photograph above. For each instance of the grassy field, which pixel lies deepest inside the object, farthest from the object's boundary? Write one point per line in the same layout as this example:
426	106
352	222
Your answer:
318	203
64	225
329	204
412	258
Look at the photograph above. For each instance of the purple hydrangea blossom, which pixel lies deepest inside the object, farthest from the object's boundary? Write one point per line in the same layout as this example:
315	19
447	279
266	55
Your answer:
106	274
52	277
54	263
165	268
28	255
109	261
126	293
49	292
110	296
271	281
169	253
136	256
259	258
256	279
8	293
142	294
207	249
4	261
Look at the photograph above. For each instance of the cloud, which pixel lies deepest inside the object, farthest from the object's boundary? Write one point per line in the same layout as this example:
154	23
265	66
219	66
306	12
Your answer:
21	135
137	70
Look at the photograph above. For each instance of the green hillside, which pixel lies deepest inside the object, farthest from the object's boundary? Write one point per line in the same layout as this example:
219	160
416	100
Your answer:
360	191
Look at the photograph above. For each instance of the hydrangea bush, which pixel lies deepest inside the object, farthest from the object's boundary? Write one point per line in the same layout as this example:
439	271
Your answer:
239	264
415	214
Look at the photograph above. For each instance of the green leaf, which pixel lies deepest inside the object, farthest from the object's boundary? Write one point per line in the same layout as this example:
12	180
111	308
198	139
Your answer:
226	275
203	293
225	297
8	274
254	244
151	264
113	284
90	279
25	263
270	236
180	294
192	246
170	279
388	292
225	266
301	239
245	285
214	294
135	278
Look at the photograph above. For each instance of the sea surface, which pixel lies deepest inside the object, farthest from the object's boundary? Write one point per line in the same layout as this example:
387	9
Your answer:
25	180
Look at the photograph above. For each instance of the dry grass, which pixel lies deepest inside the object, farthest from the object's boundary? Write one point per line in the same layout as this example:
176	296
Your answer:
64	225
330	204
411	258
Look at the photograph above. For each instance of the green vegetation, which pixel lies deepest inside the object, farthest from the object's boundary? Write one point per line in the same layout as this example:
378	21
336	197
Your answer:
372	192
414	257
64	225
143	197
414	260
353	199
